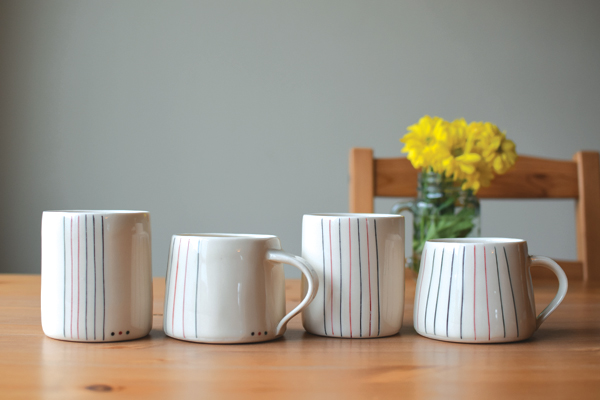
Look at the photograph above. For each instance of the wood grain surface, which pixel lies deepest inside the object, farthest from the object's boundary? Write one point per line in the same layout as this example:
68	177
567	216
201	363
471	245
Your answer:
561	361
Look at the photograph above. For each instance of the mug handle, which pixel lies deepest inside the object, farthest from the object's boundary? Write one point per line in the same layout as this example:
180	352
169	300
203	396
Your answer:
562	285
279	256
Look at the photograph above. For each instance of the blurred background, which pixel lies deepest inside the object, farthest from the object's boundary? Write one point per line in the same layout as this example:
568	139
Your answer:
238	116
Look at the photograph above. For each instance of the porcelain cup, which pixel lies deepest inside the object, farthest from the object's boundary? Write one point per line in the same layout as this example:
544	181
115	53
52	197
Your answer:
229	288
479	290
359	261
96	275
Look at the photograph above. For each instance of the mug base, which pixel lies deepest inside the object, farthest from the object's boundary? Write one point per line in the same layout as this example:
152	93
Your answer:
207	340
353	336
485	340
107	340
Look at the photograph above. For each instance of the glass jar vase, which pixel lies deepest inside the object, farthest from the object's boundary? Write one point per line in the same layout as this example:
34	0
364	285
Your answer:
442	209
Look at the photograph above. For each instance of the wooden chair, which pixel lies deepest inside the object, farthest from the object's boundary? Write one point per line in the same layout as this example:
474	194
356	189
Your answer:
531	177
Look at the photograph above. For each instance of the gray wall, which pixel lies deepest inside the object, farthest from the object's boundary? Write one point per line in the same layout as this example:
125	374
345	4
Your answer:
237	116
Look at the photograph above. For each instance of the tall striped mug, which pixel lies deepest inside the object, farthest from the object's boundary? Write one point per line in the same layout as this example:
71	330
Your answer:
359	260
96	275
479	290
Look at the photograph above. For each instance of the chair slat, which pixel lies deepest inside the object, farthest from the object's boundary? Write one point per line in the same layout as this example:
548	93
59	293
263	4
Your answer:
361	180
531	177
588	213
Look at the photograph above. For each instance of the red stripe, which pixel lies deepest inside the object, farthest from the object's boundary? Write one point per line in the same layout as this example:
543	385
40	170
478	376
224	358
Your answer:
474	289
369	264
71	277
420	286
175	291
486	294
331	278
350	258
184	281
78	272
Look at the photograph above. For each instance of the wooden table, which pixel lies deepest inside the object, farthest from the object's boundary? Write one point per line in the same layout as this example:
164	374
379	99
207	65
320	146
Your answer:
561	361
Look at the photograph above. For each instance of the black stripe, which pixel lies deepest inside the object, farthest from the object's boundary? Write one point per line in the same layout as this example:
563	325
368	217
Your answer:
378	294
500	291
462	302
429	291
197	276
95	274
511	289
103	285
86	278
341	287
360	273
437	299
71	296
449	292
324	283
65	285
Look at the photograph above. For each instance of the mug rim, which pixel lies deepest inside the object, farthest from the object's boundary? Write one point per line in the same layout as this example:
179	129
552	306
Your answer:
226	236
96	212
476	240
353	215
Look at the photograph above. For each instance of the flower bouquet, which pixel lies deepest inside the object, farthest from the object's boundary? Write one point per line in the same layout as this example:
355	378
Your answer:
455	159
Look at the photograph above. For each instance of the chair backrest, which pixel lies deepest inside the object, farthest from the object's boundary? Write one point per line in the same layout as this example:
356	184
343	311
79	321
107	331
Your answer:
530	178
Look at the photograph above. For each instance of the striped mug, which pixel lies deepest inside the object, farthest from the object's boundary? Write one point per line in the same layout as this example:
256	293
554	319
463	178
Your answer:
359	259
229	288
479	290
96	275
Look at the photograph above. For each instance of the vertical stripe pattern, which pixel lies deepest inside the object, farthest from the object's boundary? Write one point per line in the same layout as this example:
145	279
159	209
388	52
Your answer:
187	256
462	301
359	309
450	292
378	279
197	279
500	292
341	272
103	286
474	291
487	297
324	288
331	280
429	291
86	279
83	302
512	291
461	297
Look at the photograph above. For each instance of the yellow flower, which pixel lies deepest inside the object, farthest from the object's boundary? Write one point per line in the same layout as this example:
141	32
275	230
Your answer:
498	152
482	177
420	140
505	156
468	153
459	160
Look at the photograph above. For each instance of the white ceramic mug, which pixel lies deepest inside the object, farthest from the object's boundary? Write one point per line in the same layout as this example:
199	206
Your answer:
96	275
359	260
479	290
229	288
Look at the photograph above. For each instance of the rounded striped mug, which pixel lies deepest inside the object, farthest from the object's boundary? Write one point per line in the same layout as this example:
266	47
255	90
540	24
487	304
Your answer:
479	290
229	288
